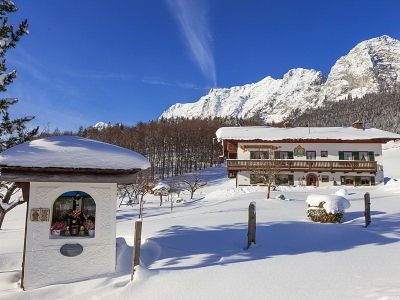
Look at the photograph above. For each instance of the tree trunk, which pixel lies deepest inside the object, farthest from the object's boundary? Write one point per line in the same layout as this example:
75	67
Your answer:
191	194
160	199
269	191
2	215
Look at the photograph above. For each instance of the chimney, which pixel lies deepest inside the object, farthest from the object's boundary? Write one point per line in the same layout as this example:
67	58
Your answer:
358	124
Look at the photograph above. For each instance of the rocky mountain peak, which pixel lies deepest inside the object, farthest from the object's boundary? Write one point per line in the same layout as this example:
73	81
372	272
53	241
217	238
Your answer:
371	66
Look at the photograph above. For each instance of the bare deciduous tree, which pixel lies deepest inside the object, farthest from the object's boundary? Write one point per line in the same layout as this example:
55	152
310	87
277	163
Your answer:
141	187
130	191
174	146
267	174
9	198
192	182
176	187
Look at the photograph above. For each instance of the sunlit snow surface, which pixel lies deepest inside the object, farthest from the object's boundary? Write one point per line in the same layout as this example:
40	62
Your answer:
317	133
197	250
72	152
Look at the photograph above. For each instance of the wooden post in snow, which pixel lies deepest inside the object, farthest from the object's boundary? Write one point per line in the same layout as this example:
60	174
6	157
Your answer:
367	212
136	246
251	231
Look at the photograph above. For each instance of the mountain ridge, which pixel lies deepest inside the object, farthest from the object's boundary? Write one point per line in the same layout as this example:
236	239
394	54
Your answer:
372	66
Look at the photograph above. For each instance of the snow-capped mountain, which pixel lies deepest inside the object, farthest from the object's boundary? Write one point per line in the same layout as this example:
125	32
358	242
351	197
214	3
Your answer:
101	125
372	66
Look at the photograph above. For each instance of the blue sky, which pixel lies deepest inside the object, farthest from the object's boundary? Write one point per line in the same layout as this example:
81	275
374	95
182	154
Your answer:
126	61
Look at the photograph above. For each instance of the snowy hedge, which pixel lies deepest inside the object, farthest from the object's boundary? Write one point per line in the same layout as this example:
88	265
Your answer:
326	208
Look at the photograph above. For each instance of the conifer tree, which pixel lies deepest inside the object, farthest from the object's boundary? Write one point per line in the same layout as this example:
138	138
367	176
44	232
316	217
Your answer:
12	131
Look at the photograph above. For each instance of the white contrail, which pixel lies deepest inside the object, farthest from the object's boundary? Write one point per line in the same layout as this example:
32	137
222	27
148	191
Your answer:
192	18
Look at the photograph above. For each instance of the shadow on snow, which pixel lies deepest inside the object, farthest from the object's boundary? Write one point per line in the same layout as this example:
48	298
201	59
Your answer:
180	247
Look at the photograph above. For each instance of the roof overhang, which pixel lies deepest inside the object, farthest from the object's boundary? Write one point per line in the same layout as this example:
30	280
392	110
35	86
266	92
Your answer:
34	174
335	141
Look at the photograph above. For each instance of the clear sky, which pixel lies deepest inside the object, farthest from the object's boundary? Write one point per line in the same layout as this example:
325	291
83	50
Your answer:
126	61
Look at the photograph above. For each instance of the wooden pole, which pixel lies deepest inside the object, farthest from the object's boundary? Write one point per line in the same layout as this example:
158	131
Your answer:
136	246
172	203
25	187
251	231
141	207
367	213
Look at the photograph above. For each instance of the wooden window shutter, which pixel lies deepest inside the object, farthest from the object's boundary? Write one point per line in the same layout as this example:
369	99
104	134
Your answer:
356	155
357	180
290	155
341	155
372	180
371	156
291	180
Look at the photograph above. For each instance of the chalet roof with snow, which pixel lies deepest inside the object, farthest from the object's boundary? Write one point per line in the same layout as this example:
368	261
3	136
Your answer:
267	133
68	157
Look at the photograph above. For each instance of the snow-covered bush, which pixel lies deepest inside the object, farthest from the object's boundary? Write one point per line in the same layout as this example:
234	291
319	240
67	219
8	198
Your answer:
326	208
342	193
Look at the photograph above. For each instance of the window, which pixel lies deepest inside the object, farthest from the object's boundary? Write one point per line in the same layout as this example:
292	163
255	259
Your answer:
325	178
282	179
256	179
281	155
349	180
311	155
365	181
74	214
348	155
364	155
324	153
357	155
259	154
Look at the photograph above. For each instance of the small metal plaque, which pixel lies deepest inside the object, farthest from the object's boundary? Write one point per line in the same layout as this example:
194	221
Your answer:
40	214
71	249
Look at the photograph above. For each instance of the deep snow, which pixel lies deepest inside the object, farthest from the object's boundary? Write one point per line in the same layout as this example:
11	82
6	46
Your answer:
276	133
197	250
72	152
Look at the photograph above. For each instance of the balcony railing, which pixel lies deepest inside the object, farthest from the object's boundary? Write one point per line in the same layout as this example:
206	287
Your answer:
302	165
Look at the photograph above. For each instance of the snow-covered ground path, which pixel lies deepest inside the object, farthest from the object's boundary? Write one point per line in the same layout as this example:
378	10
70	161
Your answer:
197	250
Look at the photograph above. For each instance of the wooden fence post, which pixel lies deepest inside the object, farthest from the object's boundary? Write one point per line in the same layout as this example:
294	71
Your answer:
367	212
141	207
136	246
251	231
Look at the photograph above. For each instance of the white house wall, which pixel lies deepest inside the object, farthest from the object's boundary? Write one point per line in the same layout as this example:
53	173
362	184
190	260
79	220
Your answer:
332	148
243	177
44	264
243	153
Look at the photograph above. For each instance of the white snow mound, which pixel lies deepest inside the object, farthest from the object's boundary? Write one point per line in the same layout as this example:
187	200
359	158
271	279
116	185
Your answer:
161	186
332	203
393	185
342	193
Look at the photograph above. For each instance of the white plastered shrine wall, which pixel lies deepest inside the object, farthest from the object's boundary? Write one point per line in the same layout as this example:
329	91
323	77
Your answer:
243	153
44	264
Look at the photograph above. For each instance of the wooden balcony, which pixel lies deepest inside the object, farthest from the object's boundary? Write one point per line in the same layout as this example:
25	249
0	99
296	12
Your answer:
302	165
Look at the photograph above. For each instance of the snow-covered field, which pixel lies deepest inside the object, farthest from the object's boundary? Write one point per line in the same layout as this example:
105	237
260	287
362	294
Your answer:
197	250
